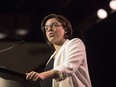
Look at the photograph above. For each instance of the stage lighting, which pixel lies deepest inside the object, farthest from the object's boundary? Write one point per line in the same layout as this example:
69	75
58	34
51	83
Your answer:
102	14
2	35
21	32
112	5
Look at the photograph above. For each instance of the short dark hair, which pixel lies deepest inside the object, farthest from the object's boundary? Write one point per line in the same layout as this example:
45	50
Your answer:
63	20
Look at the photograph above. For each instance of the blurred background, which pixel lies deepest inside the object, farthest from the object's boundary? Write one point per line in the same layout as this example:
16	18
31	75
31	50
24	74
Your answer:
94	21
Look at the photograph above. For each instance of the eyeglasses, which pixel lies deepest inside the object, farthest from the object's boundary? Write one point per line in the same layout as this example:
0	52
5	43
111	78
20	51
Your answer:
52	25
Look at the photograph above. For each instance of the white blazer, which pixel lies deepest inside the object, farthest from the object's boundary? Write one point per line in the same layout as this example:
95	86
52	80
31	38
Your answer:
71	63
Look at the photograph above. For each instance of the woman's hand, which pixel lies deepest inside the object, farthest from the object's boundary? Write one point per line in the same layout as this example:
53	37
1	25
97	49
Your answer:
34	76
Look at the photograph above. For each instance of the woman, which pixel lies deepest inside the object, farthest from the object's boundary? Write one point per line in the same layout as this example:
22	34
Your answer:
67	67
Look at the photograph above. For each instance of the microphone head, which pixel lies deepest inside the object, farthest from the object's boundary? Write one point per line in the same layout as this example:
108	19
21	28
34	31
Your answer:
21	42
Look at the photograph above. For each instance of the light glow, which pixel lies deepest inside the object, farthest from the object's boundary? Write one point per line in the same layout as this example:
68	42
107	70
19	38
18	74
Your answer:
102	14
112	5
2	35
21	32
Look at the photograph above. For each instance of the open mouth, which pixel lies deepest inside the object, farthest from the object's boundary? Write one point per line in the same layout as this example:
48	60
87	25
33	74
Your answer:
51	34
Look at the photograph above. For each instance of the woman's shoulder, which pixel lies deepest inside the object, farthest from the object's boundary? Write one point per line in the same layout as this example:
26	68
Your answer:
76	40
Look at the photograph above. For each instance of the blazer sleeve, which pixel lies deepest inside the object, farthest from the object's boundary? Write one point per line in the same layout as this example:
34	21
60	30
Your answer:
74	56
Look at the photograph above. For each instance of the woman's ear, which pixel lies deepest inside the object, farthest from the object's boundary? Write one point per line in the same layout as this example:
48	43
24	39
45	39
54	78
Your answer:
65	31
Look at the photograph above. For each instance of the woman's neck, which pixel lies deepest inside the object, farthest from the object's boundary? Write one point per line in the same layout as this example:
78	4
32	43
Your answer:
58	46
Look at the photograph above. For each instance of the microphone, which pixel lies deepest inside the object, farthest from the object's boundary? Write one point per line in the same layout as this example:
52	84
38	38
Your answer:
20	43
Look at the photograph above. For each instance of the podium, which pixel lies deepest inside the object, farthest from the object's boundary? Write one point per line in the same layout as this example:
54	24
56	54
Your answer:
10	78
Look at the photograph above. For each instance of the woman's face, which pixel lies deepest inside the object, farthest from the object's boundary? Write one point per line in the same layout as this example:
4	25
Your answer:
54	31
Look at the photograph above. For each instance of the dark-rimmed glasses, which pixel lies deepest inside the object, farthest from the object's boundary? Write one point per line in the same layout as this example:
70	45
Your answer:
52	25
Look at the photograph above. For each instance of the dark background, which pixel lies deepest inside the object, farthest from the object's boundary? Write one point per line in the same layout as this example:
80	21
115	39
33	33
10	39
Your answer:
98	35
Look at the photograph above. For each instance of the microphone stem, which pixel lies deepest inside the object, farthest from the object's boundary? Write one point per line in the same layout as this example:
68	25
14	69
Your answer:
6	49
21	42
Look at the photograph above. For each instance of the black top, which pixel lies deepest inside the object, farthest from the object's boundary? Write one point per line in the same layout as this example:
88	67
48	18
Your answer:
48	82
